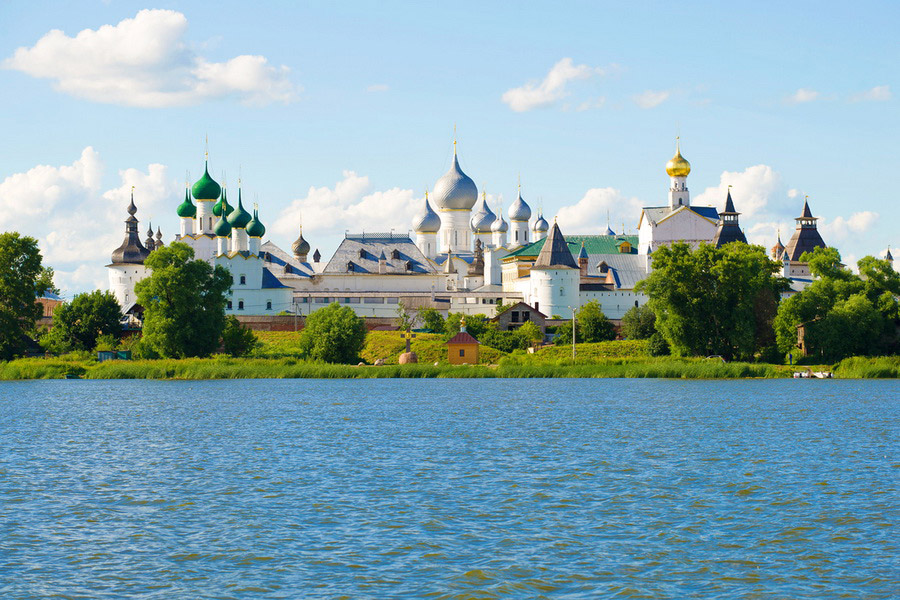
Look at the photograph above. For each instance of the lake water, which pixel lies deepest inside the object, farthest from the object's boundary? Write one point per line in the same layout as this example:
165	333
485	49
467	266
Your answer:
449	489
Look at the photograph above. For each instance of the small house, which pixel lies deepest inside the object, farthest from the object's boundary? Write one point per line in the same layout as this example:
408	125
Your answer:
462	349
519	313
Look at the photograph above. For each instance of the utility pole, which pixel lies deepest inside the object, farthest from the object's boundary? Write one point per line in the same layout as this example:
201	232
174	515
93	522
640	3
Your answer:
573	334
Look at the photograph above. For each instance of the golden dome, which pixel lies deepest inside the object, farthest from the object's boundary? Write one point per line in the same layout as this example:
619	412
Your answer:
678	166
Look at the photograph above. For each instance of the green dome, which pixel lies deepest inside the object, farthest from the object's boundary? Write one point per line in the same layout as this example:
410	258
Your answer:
206	188
239	218
254	227
222	228
217	207
187	208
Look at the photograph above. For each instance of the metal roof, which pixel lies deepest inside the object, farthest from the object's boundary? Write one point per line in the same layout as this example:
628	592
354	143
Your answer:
363	251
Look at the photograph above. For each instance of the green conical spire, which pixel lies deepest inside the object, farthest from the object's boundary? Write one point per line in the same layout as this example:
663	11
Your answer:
240	217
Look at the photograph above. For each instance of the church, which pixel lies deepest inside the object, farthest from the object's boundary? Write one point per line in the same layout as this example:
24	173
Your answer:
464	257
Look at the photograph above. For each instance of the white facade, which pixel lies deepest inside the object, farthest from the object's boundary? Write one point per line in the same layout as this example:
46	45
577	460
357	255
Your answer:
681	225
122	278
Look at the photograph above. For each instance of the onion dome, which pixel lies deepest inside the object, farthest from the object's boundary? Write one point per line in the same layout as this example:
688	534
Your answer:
519	210
300	246
149	243
541	224
222	228
206	187
483	218
255	228
678	166
217	207
239	218
499	225
131	251
427	221
455	190
227	208
187	209
159	242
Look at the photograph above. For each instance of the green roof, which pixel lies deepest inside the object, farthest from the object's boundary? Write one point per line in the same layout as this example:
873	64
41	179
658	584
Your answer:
594	244
240	217
255	228
187	208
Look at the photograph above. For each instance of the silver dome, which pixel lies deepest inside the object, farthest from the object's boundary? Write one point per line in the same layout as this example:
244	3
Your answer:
519	210
541	224
427	221
455	190
500	224
483	218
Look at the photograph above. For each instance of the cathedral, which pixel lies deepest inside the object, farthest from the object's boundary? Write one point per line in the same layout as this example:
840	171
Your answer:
460	255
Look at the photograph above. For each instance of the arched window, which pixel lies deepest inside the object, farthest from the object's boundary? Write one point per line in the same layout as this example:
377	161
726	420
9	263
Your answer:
268	305
240	305
229	305
243	280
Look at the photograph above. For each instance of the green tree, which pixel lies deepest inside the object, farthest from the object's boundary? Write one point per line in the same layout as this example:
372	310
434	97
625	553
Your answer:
638	323
406	317
333	334
529	333
432	320
594	325
44	283
705	300
841	313
564	334
238	340
20	272
475	324
88	316
184	303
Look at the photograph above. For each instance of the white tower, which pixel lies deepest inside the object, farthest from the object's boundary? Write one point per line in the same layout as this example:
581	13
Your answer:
678	169
454	195
499	229
426	224
555	277
127	265
519	215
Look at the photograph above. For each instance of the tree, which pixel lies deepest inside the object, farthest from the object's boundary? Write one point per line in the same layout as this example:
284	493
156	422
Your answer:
564	334
184	302
706	300
638	323
432	320
20	271
475	324
842	314
594	325
88	316
529	333
238	340
406	317
44	283
333	334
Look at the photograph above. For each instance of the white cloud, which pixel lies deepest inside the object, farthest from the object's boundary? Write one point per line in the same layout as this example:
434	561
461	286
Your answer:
591	104
77	226
879	93
145	62
802	95
651	98
751	189
589	215
349	206
842	228
378	87
551	90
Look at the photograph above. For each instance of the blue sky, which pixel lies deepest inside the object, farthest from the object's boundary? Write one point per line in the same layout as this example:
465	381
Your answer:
342	114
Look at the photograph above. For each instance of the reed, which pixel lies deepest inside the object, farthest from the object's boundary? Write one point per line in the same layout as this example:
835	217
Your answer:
864	367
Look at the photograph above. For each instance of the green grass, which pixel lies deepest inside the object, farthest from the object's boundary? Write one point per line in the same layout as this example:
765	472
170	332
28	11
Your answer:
862	367
429	347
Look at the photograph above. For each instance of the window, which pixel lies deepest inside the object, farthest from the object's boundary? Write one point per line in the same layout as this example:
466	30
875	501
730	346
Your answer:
243	280
362	253
562	291
514	318
240	305
462	353
409	265
350	267
395	254
635	303
526	316
229	305
268	305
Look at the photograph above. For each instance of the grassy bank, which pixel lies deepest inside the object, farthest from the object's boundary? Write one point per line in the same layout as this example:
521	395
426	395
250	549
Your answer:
290	368
861	367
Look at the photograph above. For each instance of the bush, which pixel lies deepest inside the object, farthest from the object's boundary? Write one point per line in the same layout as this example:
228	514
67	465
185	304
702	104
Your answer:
432	320
333	334
593	324
639	323
106	343
238	340
658	345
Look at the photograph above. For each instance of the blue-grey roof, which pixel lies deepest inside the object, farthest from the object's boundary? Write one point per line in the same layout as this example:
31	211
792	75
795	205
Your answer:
519	210
269	281
657	213
286	265
455	190
427	221
362	251
627	269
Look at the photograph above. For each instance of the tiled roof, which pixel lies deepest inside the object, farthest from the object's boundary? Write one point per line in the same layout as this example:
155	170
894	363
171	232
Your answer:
462	337
364	250
594	244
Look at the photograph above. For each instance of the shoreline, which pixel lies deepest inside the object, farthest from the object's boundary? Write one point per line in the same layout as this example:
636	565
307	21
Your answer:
291	368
